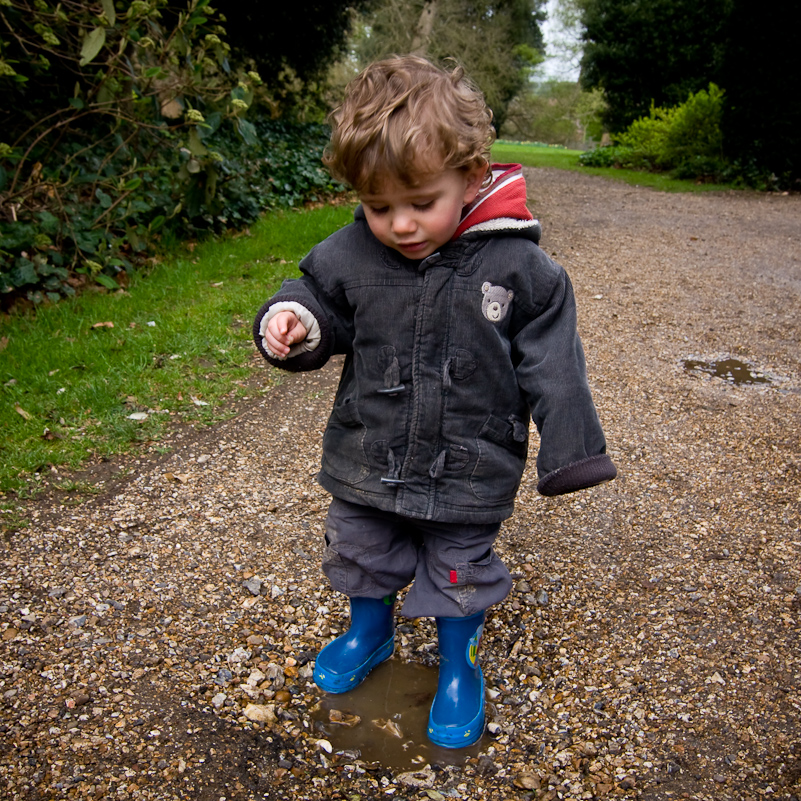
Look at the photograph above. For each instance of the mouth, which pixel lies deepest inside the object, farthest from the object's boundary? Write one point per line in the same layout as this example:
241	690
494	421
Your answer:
411	247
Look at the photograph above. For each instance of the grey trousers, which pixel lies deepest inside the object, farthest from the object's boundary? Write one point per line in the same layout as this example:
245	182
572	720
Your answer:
452	567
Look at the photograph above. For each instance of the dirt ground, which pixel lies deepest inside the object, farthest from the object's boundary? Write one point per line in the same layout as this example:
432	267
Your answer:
157	639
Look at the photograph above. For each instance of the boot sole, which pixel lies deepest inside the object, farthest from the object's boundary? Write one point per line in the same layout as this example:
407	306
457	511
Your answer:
332	682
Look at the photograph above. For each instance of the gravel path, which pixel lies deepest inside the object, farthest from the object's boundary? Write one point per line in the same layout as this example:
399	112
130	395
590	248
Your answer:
156	640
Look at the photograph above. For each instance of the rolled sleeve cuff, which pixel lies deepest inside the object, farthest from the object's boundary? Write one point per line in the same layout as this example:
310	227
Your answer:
309	321
578	475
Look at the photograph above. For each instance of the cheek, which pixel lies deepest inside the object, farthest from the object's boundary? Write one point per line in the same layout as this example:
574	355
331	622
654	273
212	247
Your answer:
448	220
378	227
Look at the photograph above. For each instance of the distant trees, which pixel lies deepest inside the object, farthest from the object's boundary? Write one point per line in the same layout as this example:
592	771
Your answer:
556	112
644	52
497	41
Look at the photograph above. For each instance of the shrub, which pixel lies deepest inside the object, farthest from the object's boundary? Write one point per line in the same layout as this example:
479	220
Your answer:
119	126
694	133
685	139
608	156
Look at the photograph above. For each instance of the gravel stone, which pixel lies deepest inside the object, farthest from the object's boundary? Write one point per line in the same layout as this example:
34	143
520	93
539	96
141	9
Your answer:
157	638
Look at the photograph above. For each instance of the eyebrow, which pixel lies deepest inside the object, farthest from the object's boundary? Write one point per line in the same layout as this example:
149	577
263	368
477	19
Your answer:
413	198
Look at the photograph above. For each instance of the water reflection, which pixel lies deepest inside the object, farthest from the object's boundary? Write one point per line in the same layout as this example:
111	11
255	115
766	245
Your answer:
385	719
732	370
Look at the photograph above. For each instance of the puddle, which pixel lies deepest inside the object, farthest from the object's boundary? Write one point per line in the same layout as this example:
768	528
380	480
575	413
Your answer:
385	719
733	371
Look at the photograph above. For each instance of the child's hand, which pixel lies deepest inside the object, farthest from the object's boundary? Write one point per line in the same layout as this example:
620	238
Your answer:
283	330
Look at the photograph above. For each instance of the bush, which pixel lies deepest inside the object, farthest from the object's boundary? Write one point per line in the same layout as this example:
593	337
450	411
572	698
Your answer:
685	139
694	133
224	181
122	126
608	156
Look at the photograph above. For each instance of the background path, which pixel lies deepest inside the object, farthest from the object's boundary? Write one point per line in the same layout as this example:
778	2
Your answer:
156	641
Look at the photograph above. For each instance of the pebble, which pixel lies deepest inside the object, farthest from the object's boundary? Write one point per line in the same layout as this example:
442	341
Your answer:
195	608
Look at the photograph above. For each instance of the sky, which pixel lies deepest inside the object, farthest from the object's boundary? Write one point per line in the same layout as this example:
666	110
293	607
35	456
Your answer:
557	65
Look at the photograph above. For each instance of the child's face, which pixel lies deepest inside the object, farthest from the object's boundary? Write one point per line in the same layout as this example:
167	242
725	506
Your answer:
417	221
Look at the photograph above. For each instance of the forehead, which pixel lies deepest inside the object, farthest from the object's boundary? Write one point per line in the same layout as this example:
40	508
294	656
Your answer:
388	186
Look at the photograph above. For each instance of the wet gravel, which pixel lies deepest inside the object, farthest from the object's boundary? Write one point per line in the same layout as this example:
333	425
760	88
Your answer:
157	639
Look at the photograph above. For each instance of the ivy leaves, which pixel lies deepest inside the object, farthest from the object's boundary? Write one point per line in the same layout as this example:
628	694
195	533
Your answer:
92	44
108	120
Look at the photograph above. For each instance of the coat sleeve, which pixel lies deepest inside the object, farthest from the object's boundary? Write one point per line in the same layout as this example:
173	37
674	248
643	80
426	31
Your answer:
333	319
552	374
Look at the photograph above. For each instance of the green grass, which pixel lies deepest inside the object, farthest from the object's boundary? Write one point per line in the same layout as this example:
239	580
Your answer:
179	350
536	155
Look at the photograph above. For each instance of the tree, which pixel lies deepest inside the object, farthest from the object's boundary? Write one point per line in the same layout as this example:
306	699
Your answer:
292	41
556	112
565	30
644	52
498	42
641	52
761	73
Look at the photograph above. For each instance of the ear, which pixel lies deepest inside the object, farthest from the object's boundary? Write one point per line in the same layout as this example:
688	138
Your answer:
474	177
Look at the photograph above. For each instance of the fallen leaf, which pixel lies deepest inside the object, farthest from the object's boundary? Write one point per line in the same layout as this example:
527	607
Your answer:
20	411
197	401
108	324
3	343
343	719
138	416
389	726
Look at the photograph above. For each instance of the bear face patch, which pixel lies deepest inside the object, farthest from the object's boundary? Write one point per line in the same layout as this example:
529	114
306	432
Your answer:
496	302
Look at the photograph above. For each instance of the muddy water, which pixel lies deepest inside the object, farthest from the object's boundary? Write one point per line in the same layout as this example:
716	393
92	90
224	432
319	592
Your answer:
385	718
732	370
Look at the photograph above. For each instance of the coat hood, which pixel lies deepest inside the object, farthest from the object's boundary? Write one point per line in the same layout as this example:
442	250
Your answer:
501	206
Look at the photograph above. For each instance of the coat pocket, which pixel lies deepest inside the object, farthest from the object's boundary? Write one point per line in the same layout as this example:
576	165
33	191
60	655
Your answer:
344	457
502	448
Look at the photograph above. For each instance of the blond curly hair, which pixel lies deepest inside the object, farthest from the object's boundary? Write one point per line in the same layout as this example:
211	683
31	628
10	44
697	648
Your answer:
407	119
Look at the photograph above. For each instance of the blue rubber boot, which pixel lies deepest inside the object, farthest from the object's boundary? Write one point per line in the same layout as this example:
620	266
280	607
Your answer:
370	640
457	714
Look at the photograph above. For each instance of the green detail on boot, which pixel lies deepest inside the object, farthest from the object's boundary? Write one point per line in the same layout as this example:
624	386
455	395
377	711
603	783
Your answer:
457	714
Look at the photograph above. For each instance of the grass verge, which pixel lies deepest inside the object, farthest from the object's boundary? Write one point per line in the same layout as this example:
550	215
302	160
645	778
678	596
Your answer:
108	373
535	155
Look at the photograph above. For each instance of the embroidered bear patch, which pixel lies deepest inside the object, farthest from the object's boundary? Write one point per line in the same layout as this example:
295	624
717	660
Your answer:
496	302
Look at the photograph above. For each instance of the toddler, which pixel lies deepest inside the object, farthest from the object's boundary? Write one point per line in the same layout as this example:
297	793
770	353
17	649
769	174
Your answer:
457	331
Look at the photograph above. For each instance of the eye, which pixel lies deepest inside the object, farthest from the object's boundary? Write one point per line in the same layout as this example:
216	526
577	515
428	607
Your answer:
423	206
378	210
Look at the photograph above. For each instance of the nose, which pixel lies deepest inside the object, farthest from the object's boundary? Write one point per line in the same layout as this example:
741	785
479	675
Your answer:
403	223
